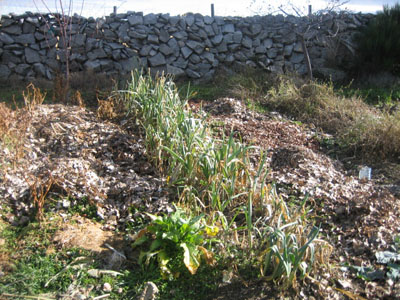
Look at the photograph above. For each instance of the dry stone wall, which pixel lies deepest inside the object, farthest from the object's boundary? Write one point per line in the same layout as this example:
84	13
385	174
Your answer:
191	45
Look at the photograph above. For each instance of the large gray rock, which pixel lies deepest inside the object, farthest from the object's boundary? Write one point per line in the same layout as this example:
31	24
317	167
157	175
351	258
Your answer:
247	42
157	60
268	43
6	39
189	20
237	37
228	28
255	28
234	47
223	47
96	54
193	74
28	27
40	69
272	53
53	64
115	46
180	63
40	36
208	20
296	58
153	39
93	65
137	35
194	58
260	50
164	35
174	20
298	48
78	40
135	20
31	56
48	43
209	30
216	40
175	71
145	50
228	38
106	65
209	57
13	29
123	31
22	69
287	51
5	72
195	46
180	35
150	19
166	50
173	44
204	67
186	52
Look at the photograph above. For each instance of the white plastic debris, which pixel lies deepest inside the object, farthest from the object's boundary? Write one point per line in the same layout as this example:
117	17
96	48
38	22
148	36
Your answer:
365	173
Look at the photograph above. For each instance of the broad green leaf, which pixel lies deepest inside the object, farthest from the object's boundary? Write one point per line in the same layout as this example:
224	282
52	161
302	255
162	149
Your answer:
156	244
163	260
394	271
190	257
367	273
140	241
385	257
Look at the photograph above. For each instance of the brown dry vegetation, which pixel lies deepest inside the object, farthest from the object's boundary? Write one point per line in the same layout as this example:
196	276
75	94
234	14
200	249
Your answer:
360	128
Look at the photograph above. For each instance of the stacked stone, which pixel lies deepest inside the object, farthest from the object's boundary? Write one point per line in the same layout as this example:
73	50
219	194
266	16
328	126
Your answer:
31	45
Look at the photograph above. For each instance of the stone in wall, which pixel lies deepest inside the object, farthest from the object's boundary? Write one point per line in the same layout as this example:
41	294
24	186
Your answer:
192	45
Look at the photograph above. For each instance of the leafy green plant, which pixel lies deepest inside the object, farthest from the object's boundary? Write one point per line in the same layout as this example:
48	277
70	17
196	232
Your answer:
286	257
84	208
176	240
289	247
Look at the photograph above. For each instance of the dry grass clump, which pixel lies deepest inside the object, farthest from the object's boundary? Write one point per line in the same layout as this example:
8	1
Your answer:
14	124
359	127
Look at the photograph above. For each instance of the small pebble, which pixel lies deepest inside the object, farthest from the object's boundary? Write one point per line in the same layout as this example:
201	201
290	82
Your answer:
107	287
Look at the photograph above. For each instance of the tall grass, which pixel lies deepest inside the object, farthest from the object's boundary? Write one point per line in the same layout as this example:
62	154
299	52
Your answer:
210	175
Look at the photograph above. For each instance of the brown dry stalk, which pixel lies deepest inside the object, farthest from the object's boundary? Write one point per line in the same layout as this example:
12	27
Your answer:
33	97
39	190
61	88
78	100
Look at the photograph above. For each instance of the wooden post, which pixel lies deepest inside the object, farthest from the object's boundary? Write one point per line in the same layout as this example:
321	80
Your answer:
309	10
115	10
212	10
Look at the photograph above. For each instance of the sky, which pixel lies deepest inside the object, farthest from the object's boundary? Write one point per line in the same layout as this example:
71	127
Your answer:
99	8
